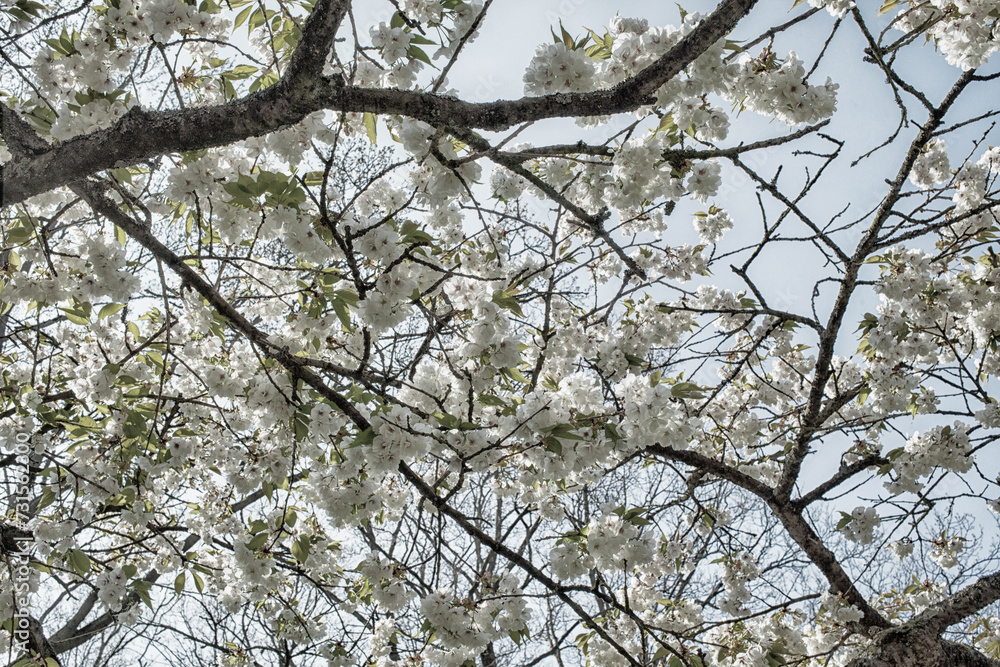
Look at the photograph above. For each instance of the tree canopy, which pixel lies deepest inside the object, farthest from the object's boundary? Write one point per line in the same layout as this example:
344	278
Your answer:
312	355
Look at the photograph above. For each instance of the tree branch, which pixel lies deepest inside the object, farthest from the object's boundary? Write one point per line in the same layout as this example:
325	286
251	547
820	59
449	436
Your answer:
814	413
141	135
93	193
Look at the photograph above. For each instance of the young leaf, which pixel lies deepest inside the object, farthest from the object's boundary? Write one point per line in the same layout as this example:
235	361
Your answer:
369	121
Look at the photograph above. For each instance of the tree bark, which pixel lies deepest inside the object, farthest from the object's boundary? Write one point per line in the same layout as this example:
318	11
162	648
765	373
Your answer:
919	641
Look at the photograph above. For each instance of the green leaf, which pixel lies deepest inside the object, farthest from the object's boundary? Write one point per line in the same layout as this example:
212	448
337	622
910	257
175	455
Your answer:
411	233
239	72
135	425
888	6
80	561
19	233
141	589
79	313
300	425
417	53
350	297
48	497
567	38
343	313
634	360
300	548
264	81
257	542
448	421
869	322
199	583
109	310
553	445
489	399
121	174
507	301
601	49
687	390
776	659
369	122
313	178
564	431
515	375
179	584
611	431
257	19
366	437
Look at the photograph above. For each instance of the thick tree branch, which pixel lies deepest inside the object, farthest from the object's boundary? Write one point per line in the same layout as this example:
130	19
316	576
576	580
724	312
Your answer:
141	135
41	647
961	605
315	45
70	627
826	561
907	647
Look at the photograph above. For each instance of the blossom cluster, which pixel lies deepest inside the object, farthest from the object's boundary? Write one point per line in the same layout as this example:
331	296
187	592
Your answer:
783	92
464	627
931	167
965	31
945	447
860	525
836	8
737	572
713	225
946	550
